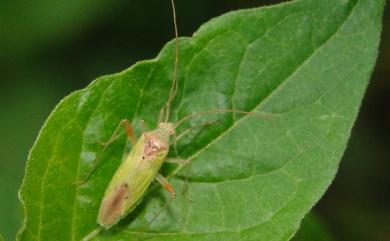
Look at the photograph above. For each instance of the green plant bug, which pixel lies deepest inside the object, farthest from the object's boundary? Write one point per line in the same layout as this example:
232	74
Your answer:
140	168
134	175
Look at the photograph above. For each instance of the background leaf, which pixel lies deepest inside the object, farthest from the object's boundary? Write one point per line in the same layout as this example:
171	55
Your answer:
26	26
306	63
313	228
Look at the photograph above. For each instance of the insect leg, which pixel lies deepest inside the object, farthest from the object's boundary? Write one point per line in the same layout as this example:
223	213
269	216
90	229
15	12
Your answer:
130	131
142	124
181	162
186	162
186	131
187	183
174	143
162	115
188	165
164	182
115	135
92	234
263	115
176	161
155	217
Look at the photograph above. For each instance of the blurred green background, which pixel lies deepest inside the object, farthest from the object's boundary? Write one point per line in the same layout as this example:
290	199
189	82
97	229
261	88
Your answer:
50	48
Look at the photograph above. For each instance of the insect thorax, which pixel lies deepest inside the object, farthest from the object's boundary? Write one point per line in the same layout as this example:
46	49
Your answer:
156	142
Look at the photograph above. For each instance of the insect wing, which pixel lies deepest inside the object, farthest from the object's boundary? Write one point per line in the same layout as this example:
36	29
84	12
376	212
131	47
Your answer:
133	177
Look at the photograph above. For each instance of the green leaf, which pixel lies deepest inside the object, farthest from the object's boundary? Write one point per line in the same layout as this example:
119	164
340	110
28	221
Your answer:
306	63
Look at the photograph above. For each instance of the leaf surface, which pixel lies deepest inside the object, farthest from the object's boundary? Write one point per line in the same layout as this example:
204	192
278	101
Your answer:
305	63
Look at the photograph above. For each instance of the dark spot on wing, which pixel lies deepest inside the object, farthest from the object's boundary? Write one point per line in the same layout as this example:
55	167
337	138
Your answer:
112	206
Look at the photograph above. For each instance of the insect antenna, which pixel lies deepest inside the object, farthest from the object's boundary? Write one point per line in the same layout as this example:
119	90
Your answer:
165	111
201	113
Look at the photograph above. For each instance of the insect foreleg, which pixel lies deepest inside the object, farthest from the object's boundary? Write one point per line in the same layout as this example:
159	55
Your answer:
130	131
162	114
117	133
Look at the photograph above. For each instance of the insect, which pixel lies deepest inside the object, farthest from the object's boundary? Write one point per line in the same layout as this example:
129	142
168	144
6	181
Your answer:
140	168
133	177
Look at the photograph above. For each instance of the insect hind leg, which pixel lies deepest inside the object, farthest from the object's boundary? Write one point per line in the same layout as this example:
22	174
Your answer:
165	184
129	130
182	163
